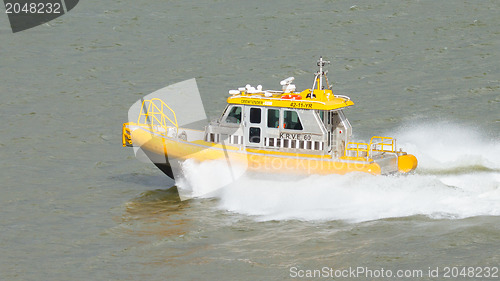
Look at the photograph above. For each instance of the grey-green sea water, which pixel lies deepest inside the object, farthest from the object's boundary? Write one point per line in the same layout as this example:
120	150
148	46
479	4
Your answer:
76	205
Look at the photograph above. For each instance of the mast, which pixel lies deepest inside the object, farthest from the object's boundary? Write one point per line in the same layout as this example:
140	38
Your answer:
318	76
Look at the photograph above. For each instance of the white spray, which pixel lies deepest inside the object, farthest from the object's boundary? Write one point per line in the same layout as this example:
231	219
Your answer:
458	176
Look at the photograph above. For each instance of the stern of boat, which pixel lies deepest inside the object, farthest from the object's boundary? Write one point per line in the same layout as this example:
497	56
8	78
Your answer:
381	151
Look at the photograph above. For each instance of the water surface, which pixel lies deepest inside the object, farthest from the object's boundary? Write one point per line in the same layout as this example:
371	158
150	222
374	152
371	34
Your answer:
78	206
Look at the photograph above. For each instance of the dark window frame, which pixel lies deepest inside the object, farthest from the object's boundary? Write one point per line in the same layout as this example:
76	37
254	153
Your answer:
255	118
288	122
232	118
269	121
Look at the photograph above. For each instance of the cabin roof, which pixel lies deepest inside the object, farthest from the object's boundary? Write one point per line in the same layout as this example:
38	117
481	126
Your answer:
316	99
319	97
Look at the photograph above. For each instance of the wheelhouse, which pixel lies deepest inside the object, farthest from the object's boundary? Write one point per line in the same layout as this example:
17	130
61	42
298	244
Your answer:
281	128
311	121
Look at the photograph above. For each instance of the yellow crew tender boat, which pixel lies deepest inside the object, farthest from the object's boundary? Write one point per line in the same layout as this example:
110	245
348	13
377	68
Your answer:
273	131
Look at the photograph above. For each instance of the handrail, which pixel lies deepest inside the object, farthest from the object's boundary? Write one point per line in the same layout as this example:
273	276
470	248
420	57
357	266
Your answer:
358	149
377	144
155	115
343	97
277	99
381	145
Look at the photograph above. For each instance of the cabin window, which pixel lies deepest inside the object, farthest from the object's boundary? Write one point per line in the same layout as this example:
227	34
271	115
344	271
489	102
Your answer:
291	120
302	144
273	118
234	115
254	135
335	119
322	114
286	143
309	145
255	115
271	141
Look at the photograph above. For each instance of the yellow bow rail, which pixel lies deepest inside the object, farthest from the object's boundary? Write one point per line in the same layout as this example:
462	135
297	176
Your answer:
153	113
152	116
367	150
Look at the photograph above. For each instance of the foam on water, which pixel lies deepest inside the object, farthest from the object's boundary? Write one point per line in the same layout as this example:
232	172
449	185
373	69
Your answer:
446	146
203	180
358	197
462	190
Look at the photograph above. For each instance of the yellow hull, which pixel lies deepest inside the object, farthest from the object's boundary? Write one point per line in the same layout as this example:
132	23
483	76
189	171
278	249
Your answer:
254	159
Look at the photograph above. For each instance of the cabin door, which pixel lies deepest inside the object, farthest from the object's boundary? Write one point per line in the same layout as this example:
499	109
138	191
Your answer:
254	117
334	130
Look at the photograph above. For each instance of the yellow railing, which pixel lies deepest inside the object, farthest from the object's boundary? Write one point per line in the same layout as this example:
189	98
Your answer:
152	116
153	113
366	150
126	135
